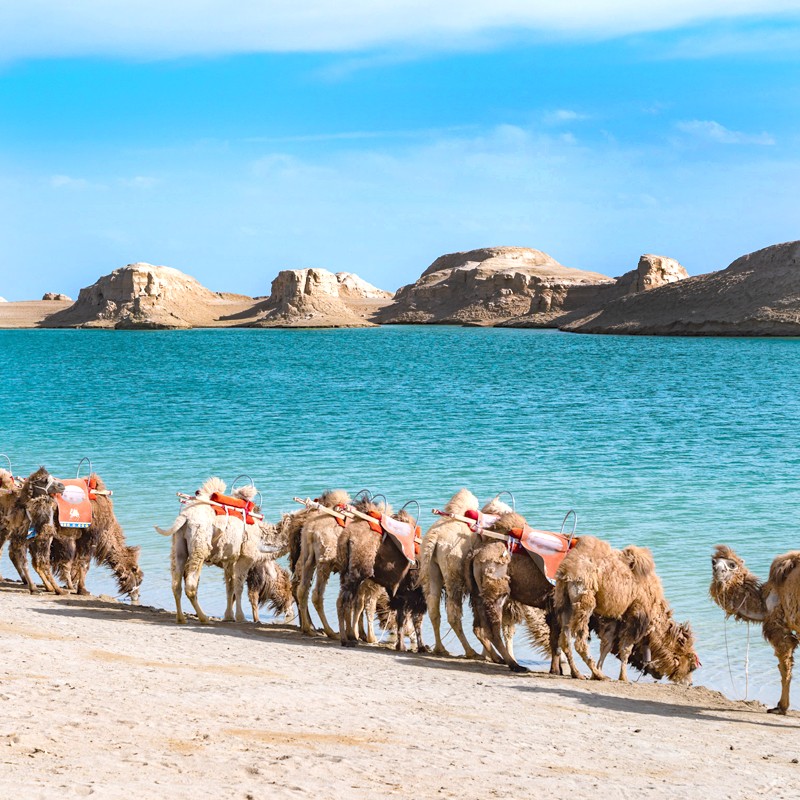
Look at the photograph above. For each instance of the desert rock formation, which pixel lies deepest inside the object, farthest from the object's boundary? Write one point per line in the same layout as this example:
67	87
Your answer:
146	296
517	287
757	295
56	296
318	298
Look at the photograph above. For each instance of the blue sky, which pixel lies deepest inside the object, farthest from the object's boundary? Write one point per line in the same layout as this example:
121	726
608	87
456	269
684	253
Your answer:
231	146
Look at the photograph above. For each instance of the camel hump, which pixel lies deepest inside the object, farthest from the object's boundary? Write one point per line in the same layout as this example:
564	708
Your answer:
640	560
783	566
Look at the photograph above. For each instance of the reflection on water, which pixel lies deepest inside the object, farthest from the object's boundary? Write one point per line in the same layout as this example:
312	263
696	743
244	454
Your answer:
675	444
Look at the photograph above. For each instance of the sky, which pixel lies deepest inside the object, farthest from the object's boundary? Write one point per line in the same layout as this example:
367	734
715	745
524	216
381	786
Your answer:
234	140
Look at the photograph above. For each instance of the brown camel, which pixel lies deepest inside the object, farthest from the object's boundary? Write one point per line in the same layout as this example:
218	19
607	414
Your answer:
35	515
269	583
775	604
319	537
495	576
9	494
104	542
619	586
366	554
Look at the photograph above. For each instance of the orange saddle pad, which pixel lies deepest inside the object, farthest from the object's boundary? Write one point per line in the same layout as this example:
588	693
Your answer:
547	548
74	506
233	507
404	535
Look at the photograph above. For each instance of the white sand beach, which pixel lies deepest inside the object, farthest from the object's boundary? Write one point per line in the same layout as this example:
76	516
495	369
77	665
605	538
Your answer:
103	699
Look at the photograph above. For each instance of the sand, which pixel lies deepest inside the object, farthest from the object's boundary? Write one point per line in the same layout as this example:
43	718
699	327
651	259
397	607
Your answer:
104	699
29	313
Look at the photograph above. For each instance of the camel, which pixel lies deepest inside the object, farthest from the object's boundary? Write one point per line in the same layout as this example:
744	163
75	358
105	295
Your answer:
622	589
104	542
364	554
200	536
269	583
494	577
444	547
774	604
34	514
318	537
9	493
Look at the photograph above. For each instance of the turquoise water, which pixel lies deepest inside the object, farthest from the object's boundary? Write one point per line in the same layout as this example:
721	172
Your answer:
676	444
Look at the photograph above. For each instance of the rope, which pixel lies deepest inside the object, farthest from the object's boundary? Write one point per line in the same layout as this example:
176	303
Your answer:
727	654
746	660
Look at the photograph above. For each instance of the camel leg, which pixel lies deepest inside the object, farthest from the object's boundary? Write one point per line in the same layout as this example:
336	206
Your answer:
18	553
324	569
40	558
433	599
400	618
83	560
252	596
307	567
480	627
454	603
370	609
421	646
240	570
229	593
783	643
494	618
344	609
583	608
191	580
508	630
179	556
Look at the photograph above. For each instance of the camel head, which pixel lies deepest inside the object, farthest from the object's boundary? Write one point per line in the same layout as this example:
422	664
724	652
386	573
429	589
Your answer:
463	500
41	484
672	653
131	580
726	566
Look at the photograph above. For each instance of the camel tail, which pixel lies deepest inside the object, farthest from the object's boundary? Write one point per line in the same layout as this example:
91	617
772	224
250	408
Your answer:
537	629
176	526
782	567
640	560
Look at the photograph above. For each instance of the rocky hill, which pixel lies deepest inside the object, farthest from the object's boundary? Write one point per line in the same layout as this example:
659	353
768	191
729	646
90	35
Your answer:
147	296
516	287
303	298
757	295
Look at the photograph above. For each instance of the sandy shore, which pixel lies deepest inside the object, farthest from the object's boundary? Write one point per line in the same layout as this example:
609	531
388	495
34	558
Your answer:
99	698
29	313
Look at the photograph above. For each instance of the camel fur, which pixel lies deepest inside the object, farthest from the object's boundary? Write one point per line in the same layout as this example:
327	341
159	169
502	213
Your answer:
774	604
495	577
9	511
619	586
201	537
268	583
35	509
104	542
319	537
363	554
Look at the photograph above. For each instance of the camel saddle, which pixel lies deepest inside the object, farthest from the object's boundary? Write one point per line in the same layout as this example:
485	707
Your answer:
74	504
233	507
482	521
405	536
546	548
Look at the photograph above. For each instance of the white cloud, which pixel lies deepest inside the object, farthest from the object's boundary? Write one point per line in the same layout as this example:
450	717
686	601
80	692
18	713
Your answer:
714	132
563	115
155	29
66	182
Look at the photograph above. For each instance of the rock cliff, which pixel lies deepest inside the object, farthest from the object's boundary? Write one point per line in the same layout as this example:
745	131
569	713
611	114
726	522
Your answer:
517	287
143	296
757	295
319	298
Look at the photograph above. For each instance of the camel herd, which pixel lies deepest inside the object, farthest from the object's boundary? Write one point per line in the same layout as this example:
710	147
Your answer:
388	570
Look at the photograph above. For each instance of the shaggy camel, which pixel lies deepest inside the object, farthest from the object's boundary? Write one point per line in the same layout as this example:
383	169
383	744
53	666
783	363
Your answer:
319	537
9	494
268	582
775	604
620	586
364	554
103	541
494	576
35	512
201	536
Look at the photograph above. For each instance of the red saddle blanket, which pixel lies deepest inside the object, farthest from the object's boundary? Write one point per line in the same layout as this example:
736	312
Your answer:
405	536
74	504
547	548
233	507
